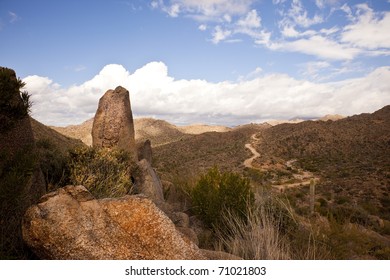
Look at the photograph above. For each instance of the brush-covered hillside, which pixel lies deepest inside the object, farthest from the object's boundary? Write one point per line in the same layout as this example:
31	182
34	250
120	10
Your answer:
348	161
197	153
351	156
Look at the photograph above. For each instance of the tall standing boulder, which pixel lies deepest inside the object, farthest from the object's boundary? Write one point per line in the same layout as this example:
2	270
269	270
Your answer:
113	125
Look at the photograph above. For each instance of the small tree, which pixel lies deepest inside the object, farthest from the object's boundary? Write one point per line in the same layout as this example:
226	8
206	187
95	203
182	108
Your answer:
217	193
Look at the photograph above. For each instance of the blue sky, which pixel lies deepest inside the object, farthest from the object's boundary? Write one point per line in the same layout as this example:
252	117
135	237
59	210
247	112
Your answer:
212	61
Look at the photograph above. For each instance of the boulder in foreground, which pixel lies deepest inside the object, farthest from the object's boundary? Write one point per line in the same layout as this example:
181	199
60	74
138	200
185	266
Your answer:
70	224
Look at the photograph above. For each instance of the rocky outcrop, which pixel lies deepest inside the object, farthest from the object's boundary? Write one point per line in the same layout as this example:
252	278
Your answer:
113	125
71	224
148	183
145	151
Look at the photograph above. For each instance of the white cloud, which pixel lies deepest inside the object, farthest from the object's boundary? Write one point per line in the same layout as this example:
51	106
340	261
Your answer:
220	34
346	9
298	15
329	31
289	31
252	20
312	69
227	18
369	30
367	34
173	10
205	9
202	27
258	98
224	18
318	46
320	3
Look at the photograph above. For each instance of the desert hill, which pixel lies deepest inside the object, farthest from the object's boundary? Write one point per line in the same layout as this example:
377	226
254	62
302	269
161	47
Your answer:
159	132
44	133
351	155
197	153
81	131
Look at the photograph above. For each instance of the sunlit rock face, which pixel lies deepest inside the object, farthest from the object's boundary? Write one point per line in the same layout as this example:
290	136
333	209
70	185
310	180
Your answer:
113	125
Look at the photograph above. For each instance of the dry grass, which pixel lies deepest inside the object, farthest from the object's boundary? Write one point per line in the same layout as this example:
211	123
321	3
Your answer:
258	238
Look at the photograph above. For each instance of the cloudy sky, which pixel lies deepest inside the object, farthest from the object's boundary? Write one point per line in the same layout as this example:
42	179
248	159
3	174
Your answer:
189	61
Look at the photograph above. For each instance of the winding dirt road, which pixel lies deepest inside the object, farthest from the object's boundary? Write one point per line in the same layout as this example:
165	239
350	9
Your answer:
304	178
248	162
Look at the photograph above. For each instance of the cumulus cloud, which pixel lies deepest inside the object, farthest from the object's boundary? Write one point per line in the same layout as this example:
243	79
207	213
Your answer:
256	99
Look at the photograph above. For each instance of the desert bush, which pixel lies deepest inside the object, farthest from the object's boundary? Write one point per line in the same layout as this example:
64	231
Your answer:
53	164
15	173
12	109
351	241
217	193
258	237
104	172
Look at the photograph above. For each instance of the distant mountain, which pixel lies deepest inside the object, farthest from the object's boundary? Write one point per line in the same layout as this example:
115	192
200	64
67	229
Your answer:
202	128
335	117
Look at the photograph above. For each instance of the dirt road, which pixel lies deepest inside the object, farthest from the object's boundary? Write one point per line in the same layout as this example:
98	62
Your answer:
303	178
248	162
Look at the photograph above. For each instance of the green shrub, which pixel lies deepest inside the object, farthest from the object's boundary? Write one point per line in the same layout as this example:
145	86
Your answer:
12	108
105	173
53	164
15	174
217	193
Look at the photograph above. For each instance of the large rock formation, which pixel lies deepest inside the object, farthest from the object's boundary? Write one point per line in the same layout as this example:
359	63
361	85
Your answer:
21	180
148	183
113	125
71	224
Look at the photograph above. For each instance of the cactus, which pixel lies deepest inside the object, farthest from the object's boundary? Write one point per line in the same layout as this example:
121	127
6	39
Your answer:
312	195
